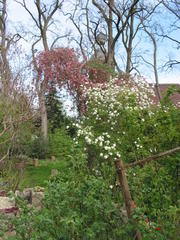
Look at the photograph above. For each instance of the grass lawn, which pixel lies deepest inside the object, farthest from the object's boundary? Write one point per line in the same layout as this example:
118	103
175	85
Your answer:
37	176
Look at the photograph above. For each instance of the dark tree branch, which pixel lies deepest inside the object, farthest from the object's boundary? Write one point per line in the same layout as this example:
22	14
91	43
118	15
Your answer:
152	158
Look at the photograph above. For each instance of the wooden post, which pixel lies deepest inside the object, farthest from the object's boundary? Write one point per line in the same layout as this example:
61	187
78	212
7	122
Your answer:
35	162
125	191
125	188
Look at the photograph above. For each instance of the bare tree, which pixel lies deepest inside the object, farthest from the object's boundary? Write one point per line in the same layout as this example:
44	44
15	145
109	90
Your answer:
109	18
116	17
173	7
43	21
144	17
154	64
128	36
4	45
14	104
14	113
6	41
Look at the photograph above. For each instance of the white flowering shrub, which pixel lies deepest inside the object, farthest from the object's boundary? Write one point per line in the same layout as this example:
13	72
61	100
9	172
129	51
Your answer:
121	120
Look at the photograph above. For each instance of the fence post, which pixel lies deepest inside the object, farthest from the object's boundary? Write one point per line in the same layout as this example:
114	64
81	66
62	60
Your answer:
125	191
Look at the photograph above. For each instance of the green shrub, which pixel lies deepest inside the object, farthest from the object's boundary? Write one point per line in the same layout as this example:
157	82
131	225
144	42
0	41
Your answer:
60	144
76	206
37	147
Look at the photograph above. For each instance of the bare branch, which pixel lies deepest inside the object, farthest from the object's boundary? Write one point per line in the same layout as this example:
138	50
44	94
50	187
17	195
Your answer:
170	38
171	63
23	4
173	7
152	158
55	40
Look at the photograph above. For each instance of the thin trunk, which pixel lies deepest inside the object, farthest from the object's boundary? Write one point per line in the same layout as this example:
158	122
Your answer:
110	58
41	95
43	109
5	72
44	122
4	64
45	43
44	38
155	68
129	49
154	62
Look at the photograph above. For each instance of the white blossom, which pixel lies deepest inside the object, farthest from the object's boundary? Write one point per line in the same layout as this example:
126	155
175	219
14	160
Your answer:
106	156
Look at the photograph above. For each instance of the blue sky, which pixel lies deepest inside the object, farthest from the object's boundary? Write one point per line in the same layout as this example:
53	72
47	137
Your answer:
166	48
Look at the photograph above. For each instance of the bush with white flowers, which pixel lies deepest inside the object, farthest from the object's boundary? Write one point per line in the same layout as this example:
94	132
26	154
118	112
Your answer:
115	114
121	120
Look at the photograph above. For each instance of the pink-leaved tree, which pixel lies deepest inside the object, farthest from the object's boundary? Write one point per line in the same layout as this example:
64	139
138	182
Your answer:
60	68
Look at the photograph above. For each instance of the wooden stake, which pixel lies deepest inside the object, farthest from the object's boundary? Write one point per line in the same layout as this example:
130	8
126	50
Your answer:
125	190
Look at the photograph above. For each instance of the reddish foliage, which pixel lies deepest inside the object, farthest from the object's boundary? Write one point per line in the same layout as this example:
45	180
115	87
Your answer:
13	210
134	205
3	194
158	228
61	67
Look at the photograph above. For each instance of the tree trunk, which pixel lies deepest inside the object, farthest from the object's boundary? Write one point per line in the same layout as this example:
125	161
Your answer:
110	57
43	109
154	62
129	49
4	47
44	122
155	69
44	38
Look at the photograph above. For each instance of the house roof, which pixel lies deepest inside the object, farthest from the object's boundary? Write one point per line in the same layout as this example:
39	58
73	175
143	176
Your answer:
175	98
